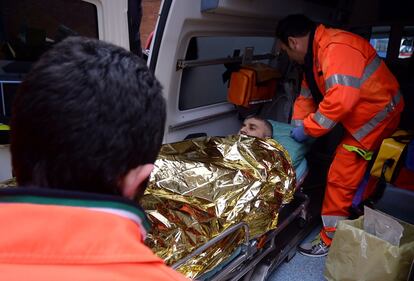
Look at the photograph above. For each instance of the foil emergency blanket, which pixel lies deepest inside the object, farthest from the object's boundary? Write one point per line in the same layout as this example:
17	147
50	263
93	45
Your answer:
201	187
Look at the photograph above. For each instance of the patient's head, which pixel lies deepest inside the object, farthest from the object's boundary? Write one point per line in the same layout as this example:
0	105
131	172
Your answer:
256	127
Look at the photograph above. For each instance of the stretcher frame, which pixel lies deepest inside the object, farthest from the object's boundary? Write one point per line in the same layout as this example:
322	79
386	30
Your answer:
254	263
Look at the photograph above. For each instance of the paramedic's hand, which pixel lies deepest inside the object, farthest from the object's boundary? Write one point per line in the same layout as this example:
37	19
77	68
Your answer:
298	134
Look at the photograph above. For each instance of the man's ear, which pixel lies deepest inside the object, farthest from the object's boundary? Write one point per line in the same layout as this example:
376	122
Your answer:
133	179
292	41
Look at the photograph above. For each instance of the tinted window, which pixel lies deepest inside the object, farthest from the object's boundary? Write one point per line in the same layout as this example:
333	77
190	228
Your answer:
206	85
30	27
407	43
379	39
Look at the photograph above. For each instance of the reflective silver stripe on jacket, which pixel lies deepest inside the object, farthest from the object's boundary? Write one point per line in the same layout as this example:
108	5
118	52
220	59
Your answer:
380	116
370	69
340	79
323	121
352	81
304	92
297	122
331	221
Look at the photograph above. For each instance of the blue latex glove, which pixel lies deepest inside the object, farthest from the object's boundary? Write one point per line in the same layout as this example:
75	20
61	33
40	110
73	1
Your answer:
298	134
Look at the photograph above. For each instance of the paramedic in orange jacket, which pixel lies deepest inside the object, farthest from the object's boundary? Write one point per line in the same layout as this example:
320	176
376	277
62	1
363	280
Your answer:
87	126
344	82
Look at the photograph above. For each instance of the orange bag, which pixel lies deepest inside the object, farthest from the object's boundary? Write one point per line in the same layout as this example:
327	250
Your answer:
252	84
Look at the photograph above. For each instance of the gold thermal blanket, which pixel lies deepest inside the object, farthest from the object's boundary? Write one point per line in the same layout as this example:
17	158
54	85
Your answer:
201	187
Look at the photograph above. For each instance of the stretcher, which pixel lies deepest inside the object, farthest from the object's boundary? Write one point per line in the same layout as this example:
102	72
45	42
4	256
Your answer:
256	258
219	206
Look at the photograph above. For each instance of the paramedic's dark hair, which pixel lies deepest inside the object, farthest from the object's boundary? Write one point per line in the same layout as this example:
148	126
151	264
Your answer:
266	122
86	114
293	26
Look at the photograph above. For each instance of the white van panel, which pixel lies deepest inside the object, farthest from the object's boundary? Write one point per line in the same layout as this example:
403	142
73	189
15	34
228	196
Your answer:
274	9
5	163
186	20
112	21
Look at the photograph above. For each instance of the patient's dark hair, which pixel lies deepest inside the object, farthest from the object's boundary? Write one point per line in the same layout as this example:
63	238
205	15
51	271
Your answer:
296	25
86	114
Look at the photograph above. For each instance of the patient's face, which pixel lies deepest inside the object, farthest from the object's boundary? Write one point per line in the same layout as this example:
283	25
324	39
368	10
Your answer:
254	128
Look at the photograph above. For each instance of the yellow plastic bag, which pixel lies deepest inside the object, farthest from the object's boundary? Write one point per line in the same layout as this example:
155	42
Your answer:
356	255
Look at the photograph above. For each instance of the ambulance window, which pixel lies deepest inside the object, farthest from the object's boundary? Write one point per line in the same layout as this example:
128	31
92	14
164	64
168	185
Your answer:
28	28
407	43
207	85
379	39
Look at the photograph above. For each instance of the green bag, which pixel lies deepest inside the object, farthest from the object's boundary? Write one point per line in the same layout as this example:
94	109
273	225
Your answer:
356	255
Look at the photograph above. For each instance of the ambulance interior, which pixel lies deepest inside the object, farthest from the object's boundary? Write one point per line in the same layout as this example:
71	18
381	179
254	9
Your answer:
204	49
195	48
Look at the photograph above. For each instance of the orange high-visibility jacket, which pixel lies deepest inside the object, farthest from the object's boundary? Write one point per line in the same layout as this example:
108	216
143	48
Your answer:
359	90
62	238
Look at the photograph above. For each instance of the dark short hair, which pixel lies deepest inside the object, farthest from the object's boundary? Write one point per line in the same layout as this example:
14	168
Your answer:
86	114
294	26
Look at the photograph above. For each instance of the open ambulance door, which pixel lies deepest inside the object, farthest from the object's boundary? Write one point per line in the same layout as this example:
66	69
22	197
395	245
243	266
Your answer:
193	43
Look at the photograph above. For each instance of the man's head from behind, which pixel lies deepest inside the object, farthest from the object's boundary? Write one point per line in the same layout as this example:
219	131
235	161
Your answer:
293	33
89	116
256	127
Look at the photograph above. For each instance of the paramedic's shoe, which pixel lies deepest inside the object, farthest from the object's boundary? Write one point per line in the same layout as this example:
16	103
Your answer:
317	248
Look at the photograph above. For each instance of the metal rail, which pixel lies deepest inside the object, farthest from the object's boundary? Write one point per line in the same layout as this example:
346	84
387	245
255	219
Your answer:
198	121
272	237
182	64
233	271
213	241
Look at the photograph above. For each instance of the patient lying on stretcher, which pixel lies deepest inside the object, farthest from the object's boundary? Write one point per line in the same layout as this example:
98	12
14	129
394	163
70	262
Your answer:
201	187
255	126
